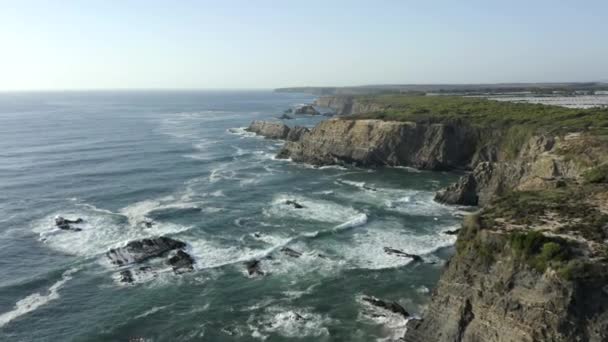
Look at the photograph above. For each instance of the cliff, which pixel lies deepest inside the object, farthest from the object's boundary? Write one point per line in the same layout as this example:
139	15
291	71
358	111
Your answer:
377	143
531	266
544	161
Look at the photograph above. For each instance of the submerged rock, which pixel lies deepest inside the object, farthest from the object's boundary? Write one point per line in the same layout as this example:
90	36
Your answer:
392	251
181	262
285	117
126	276
452	232
390	306
65	224
253	268
141	250
290	252
294	204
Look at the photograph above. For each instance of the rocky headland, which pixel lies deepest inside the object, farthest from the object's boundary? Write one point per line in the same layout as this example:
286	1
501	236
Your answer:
532	263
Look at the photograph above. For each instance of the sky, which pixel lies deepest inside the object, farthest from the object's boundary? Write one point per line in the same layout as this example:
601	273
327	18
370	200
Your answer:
246	44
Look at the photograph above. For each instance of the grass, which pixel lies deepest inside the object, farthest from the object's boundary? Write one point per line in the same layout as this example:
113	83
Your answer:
485	112
527	208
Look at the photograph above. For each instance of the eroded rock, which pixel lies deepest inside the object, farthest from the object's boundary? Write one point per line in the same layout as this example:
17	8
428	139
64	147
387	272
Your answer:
269	130
386	305
396	252
254	268
290	252
294	204
308	110
141	250
181	262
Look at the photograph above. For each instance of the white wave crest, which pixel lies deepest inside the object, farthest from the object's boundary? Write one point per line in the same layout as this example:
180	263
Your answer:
291	323
312	209
36	300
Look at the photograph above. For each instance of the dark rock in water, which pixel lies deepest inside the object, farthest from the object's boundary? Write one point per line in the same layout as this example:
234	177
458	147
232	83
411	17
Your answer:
296	133
60	220
253	268
181	262
285	117
294	204
329	114
140	250
390	306
65	224
126	276
366	187
308	109
148	224
291	252
392	251
288	111
257	235
298	317
451	232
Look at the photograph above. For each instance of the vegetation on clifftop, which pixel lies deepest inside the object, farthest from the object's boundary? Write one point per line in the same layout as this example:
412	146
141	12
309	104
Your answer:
481	111
541	229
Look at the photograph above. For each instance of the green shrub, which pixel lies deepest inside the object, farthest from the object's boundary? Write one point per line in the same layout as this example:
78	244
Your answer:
480	111
574	269
526	243
598	174
539	251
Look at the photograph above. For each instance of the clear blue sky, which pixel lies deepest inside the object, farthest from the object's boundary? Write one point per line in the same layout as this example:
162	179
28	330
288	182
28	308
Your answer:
92	44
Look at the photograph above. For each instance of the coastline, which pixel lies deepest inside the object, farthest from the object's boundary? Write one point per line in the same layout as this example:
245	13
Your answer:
531	193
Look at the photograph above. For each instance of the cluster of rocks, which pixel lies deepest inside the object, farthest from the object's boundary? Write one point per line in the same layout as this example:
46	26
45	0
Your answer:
139	251
307	110
66	224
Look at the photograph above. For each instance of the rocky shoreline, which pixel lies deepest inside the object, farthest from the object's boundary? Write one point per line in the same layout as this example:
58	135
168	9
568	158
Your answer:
532	265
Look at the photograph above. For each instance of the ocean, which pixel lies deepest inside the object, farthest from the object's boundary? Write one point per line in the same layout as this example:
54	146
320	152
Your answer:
180	164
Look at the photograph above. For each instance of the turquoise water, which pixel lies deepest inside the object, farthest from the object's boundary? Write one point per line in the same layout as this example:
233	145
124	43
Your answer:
182	161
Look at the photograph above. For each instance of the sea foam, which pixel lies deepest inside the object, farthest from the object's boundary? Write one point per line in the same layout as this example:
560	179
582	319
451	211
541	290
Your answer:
36	300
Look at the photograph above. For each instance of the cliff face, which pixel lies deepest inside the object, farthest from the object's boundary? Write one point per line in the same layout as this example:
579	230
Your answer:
530	267
347	105
544	162
376	142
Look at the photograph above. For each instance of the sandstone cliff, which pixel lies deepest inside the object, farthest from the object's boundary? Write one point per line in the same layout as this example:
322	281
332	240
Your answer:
376	143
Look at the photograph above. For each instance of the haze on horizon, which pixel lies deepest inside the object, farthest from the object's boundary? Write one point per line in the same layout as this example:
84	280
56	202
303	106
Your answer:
266	44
